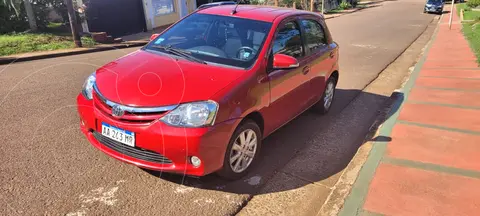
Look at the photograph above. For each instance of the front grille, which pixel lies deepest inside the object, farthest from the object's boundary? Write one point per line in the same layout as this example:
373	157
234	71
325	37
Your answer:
138	153
128	117
142	115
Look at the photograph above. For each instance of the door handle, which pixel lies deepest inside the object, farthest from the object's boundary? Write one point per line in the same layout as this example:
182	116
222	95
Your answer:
332	54
306	69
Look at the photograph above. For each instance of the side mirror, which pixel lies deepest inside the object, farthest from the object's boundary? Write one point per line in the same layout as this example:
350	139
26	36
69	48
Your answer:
281	61
154	36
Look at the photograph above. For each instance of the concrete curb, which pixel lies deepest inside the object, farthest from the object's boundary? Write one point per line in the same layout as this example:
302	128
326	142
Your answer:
353	204
33	56
345	13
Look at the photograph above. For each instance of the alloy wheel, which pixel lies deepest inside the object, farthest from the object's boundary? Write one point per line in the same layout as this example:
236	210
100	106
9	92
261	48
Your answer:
329	92
243	151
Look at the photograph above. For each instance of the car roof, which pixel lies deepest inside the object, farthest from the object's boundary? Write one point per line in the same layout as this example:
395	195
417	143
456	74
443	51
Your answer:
261	13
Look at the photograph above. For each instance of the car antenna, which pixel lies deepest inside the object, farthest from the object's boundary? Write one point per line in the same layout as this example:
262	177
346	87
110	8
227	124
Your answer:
234	11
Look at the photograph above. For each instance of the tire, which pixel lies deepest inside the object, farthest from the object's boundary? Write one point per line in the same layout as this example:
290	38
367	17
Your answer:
322	107
234	170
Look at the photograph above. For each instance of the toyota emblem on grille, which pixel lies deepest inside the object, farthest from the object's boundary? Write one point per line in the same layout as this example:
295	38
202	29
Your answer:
117	111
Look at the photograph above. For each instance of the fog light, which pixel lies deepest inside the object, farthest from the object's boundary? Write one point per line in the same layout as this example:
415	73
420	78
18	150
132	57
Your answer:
195	161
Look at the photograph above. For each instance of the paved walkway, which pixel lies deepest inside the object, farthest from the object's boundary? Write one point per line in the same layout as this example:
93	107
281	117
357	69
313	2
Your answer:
431	165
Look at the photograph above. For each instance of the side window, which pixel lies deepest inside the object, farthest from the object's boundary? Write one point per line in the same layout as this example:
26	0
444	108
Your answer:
314	34
288	41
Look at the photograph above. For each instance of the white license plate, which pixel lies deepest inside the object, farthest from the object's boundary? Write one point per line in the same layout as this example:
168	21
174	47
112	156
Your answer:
117	134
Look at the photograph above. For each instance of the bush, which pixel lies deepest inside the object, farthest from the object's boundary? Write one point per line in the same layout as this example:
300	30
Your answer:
10	22
345	5
473	3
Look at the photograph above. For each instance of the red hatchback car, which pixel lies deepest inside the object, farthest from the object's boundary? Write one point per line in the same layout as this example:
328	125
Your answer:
202	95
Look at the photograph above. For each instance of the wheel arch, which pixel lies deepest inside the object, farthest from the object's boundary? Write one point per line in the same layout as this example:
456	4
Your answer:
257	117
335	74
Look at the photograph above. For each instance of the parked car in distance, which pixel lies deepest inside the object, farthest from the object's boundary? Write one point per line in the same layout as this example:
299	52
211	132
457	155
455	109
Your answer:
201	96
434	6
213	4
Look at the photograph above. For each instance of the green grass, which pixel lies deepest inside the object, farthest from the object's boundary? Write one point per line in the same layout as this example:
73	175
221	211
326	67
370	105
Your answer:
469	14
472	33
54	25
471	30
334	11
22	43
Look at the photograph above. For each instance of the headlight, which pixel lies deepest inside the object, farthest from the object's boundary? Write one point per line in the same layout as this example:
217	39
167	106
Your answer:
428	5
195	114
88	86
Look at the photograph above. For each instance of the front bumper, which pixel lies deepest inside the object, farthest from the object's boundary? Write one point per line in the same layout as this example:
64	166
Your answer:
434	9
155	138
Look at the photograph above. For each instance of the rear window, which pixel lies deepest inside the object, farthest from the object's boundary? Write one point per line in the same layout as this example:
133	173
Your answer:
218	39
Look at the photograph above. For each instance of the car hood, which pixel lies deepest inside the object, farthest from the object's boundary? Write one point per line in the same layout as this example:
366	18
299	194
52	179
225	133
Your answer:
148	79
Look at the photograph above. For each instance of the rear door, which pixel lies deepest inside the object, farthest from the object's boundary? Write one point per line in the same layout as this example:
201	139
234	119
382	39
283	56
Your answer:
320	55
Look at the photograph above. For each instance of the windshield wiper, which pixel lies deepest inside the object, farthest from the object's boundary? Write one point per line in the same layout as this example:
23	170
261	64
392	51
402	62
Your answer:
178	52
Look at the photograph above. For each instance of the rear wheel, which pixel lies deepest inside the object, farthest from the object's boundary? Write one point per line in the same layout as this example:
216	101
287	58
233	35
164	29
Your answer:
324	105
242	151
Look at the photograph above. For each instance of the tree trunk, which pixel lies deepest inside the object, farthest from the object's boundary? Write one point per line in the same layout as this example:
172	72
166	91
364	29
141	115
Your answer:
31	16
311	5
276	3
73	23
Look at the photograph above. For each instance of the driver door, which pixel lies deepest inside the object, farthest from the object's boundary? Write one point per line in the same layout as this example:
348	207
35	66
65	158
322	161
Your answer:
289	88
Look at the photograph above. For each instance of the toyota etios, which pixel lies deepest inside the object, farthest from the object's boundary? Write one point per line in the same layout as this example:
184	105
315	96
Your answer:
201	96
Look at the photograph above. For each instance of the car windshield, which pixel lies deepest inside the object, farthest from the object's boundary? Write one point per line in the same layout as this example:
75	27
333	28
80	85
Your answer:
434	2
216	39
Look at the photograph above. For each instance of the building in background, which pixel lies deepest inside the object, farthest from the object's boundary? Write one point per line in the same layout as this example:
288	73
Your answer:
124	17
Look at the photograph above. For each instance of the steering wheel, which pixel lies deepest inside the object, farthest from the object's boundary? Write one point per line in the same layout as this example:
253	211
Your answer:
245	54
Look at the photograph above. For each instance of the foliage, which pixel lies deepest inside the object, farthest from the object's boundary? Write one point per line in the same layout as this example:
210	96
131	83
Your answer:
13	17
472	33
473	3
345	5
468	14
9	21
20	43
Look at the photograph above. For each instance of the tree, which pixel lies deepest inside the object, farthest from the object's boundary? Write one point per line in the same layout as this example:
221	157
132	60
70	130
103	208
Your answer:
12	5
73	23
31	15
15	6
19	15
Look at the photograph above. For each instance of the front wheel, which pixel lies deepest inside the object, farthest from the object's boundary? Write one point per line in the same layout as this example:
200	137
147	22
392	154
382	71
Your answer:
242	151
324	105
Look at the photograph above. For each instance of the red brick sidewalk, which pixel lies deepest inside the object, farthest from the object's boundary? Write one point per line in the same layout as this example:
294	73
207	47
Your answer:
431	166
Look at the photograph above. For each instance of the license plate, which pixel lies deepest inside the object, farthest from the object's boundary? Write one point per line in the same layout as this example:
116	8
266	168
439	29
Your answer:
119	135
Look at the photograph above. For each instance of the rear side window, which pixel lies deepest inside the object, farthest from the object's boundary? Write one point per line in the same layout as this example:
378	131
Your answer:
314	34
288	41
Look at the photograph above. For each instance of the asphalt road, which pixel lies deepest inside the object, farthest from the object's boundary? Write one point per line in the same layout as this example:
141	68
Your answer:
48	167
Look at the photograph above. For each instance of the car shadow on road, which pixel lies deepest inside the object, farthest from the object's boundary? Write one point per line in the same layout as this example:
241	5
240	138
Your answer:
312	147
